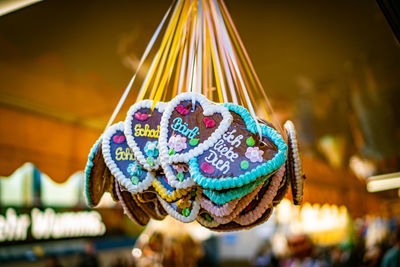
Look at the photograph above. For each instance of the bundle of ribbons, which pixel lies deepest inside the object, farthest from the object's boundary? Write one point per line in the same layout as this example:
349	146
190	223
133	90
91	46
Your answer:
192	146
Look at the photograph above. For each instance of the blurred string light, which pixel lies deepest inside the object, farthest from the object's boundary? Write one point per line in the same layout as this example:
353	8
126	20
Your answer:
136	252
362	168
8	6
383	182
326	224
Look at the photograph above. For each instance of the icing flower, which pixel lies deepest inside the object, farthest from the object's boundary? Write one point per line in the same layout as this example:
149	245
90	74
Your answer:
134	169
177	143
254	154
151	149
180	168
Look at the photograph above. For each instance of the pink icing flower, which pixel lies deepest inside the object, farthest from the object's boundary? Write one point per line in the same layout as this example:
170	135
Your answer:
177	143
254	154
180	168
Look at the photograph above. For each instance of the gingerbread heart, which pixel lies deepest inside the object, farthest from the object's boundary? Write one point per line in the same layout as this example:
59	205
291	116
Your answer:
239	157
119	158
130	206
239	207
294	164
233	226
265	198
149	203
283	188
189	126
218	210
184	209
221	197
205	219
165	190
178	175
142	129
95	182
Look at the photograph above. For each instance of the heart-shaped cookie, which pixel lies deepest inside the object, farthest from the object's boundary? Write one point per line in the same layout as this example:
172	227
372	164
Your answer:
111	184
294	164
283	189
120	160
142	129
218	210
178	175
239	157
184	209
95	181
165	190
265	198
190	125
221	197
149	203
205	219
233	226
131	208
241	205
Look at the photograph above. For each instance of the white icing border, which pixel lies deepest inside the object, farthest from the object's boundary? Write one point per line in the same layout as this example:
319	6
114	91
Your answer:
172	212
209	108
173	180
160	106
122	179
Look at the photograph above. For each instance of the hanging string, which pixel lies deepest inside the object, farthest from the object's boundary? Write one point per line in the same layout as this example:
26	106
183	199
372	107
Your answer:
242	50
150	73
234	61
176	45
144	56
215	60
182	70
200	47
221	42
165	62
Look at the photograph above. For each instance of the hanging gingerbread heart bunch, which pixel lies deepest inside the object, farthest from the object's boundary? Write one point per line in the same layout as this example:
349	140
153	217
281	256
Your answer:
194	159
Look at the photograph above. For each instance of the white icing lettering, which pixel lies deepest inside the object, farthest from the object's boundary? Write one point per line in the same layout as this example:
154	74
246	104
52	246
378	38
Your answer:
224	148
212	159
231	139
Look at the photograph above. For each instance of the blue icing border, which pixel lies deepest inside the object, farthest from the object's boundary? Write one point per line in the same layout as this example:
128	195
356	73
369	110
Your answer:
222	198
248	177
88	169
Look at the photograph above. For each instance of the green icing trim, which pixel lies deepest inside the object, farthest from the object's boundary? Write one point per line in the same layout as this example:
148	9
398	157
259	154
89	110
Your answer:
248	177
222	198
186	212
88	169
180	176
135	180
244	165
250	141
193	142
150	161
